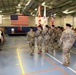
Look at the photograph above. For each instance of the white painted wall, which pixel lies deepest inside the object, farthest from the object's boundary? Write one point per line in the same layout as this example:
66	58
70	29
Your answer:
65	19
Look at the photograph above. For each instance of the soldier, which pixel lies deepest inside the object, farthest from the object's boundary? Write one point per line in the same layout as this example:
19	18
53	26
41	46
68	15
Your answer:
1	38
52	33
31	39
67	40
46	38
39	38
59	33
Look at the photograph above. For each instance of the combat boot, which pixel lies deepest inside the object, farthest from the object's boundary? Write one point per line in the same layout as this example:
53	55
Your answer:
65	64
69	62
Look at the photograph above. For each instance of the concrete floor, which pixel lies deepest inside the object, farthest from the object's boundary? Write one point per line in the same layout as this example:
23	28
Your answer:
15	60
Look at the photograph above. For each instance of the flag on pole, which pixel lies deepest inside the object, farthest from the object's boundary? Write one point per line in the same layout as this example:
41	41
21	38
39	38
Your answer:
52	19
39	15
44	18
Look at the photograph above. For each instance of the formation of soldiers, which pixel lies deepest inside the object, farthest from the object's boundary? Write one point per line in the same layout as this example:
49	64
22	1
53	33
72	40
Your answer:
52	37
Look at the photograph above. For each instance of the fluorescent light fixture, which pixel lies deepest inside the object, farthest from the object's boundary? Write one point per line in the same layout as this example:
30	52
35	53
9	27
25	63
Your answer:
70	11
67	12
28	3
35	8
43	3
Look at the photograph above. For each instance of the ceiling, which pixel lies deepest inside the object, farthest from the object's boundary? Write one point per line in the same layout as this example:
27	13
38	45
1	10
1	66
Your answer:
27	7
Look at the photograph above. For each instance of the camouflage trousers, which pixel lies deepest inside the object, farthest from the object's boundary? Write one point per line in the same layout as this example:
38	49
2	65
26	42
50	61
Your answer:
32	46
66	56
52	44
46	44
39	43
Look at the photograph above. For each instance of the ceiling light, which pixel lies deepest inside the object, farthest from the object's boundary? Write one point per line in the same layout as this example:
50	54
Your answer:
19	5
67	12
0	11
35	8
43	3
31	13
54	14
17	10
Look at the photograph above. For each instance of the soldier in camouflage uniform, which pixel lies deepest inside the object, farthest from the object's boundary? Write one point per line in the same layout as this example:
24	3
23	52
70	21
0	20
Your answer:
67	40
59	33
39	38
31	39
46	37
53	34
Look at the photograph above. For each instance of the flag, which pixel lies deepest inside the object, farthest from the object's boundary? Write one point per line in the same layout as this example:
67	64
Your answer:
41	20
52	19
44	17
19	20
39	15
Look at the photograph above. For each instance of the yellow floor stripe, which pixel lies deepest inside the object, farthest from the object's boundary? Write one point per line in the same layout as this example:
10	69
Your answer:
20	62
73	52
5	47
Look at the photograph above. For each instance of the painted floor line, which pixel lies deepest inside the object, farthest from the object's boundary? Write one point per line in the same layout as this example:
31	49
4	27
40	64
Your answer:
60	62
73	52
57	60
42	71
50	61
20	62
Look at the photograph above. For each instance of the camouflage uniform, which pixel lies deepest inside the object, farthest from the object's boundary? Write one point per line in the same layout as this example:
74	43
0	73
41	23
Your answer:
31	39
46	39
39	40
67	39
52	38
59	33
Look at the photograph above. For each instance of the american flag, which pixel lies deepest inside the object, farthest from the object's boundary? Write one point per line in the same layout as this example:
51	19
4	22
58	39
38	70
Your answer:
19	20
52	19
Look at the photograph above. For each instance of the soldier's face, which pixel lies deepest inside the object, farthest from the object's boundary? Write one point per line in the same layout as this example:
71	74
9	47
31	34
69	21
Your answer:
67	27
31	29
39	28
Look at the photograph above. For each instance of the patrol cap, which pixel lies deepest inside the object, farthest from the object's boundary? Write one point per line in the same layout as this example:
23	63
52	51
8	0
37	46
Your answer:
68	25
59	27
31	27
53	25
47	26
